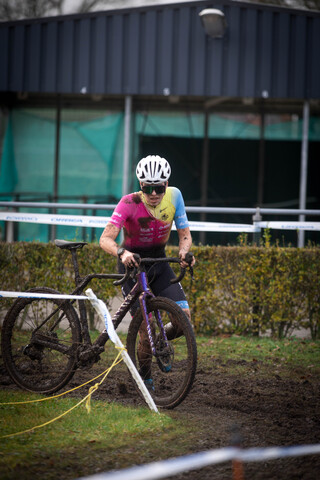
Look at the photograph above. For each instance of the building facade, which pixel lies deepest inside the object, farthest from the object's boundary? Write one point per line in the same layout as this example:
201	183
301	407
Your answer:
83	97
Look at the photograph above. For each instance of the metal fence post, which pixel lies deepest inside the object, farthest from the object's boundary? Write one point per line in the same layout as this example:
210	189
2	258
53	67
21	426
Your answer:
257	218
304	170
126	148
9	232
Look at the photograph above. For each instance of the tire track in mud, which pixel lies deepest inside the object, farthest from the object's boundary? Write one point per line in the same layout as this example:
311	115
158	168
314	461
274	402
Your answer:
267	410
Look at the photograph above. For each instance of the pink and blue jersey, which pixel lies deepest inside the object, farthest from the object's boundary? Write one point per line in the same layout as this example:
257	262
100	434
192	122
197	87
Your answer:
147	229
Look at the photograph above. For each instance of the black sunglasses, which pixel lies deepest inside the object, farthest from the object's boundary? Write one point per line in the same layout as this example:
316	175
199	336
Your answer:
148	189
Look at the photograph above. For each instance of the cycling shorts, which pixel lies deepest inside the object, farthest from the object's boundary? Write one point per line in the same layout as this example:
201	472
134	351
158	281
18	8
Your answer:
159	276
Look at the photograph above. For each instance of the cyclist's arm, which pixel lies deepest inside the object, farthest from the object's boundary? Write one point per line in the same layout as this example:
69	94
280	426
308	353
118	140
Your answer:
185	242
108	239
108	244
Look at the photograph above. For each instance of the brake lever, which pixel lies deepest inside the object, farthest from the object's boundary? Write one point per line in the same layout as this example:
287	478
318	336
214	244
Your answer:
188	259
130	272
191	273
137	258
134	269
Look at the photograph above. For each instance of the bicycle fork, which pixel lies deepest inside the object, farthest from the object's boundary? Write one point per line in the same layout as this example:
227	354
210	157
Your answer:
146	292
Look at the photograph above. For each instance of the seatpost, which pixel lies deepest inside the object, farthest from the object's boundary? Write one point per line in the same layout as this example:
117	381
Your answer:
81	304
75	266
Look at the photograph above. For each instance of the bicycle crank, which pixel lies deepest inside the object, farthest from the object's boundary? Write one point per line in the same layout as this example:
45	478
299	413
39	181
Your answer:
88	355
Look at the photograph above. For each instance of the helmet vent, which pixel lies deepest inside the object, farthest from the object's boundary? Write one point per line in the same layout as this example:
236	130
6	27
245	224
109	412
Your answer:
153	169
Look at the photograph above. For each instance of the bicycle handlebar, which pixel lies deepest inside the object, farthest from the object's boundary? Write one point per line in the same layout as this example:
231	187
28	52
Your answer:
142	261
73	246
188	258
124	278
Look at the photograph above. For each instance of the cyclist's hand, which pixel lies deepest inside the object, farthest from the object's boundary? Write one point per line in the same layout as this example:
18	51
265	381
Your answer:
127	258
186	259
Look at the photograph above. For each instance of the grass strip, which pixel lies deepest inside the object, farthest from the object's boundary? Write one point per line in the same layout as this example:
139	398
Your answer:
79	440
234	353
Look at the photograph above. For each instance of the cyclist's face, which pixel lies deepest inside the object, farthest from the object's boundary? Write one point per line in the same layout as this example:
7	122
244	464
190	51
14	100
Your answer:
154	198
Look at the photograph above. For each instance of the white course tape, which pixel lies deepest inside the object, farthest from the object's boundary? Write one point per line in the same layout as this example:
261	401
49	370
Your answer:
173	466
41	295
45	218
102	310
170	467
258	454
315	226
101	222
223	227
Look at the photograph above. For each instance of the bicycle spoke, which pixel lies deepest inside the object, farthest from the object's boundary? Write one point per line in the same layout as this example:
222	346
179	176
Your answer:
39	354
172	367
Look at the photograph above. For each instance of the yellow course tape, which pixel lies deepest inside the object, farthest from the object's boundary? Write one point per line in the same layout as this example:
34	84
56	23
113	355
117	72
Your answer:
87	398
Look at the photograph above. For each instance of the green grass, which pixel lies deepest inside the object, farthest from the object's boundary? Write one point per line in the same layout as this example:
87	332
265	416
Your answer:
235	353
81	438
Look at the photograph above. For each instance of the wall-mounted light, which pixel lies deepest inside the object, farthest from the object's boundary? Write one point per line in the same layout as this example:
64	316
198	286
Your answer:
214	22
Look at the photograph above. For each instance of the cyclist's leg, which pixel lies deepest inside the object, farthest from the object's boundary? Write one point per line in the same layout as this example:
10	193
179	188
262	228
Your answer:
173	293
144	351
162	287
159	276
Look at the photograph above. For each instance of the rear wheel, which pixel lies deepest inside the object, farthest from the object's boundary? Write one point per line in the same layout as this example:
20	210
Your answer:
39	342
173	365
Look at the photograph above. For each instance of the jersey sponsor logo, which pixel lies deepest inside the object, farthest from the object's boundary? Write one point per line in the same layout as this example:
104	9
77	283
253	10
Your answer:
146	240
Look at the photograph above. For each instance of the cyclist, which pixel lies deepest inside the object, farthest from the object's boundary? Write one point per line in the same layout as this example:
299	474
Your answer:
146	218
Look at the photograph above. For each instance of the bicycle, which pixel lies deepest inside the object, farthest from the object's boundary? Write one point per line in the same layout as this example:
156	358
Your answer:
44	341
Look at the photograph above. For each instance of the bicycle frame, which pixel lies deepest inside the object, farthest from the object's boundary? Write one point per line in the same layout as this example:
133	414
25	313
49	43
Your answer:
82	283
140	291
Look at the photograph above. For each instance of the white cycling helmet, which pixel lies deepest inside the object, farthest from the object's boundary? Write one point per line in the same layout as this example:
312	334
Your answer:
153	169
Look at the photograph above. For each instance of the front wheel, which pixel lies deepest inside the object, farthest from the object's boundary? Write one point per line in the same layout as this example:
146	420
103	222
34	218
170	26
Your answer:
39	342
172	366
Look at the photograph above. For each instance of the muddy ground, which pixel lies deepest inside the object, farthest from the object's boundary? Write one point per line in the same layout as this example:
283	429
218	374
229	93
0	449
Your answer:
266	406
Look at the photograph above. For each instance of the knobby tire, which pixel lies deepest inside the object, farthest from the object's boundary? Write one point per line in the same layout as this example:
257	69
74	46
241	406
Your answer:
174	370
32	366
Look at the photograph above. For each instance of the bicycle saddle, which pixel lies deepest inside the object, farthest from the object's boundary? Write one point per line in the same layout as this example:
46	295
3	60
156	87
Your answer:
69	245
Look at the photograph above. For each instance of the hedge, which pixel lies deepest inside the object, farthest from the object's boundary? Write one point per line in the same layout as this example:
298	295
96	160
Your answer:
241	290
